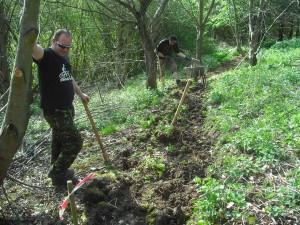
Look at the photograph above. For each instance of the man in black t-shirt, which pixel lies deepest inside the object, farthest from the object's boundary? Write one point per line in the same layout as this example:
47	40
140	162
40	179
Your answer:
57	88
165	50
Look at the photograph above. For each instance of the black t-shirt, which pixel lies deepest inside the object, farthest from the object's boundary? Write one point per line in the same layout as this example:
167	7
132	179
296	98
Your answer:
55	81
165	48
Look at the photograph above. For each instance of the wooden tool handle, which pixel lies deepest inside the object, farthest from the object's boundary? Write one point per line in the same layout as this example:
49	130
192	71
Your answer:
89	115
181	101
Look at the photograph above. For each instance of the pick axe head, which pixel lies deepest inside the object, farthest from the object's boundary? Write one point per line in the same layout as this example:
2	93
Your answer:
195	62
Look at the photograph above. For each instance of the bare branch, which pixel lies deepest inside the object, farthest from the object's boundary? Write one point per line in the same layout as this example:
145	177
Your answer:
4	94
275	20
113	15
3	108
189	13
209	11
25	184
73	6
131	7
159	12
144	4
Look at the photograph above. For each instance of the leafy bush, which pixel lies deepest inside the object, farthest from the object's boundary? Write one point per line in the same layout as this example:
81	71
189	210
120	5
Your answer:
220	202
219	56
287	44
153	166
109	129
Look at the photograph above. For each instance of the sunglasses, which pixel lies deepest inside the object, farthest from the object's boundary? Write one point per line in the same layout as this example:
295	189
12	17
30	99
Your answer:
63	46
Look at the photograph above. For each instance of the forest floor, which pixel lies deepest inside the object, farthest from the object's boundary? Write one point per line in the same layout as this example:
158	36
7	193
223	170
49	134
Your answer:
149	181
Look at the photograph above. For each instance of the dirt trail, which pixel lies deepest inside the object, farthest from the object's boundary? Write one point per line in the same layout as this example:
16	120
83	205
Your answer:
228	65
154	170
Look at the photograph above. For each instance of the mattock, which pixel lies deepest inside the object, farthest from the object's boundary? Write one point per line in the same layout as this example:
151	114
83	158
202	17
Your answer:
89	115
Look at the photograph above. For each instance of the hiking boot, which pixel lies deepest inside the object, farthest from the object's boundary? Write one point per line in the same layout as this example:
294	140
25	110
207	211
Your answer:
62	178
69	174
59	182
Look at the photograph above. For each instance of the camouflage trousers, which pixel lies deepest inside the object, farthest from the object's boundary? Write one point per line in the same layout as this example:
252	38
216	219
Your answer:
169	62
66	141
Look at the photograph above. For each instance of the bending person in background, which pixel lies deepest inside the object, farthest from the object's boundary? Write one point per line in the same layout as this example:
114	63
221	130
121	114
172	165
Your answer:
57	88
165	50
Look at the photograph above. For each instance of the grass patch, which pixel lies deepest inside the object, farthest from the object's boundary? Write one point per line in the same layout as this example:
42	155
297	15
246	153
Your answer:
255	111
109	129
219	56
122	108
220	202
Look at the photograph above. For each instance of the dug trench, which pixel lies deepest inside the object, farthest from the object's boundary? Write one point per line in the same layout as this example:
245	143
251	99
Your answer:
151	177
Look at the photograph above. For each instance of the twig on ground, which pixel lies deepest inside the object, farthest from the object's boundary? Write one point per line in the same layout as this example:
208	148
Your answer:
9	202
94	170
25	184
242	60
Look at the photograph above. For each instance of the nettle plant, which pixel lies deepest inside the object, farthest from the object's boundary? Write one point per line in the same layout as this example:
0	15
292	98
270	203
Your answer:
164	128
219	202
155	165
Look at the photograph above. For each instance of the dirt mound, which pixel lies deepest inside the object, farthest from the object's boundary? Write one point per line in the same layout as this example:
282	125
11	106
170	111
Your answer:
110	202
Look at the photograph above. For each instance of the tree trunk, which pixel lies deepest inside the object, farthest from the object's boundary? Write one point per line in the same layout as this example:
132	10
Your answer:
297	32
147	27
237	28
255	29
121	54
4	68
148	47
17	113
201	23
200	31
280	30
252	34
291	32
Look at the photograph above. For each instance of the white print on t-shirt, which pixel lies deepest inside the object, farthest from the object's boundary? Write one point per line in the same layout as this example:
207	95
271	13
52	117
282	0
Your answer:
65	75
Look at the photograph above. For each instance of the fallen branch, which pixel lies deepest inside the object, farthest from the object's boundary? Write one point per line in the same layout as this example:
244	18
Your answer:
3	108
10	177
9	202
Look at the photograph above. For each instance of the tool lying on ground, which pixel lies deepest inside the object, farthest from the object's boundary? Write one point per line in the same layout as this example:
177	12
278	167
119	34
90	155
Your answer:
89	115
189	81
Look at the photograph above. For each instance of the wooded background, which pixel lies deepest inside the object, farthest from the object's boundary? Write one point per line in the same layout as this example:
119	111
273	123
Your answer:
115	39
